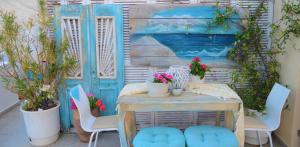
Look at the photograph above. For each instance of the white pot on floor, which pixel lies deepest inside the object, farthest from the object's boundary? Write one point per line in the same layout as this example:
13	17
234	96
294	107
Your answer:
42	127
251	136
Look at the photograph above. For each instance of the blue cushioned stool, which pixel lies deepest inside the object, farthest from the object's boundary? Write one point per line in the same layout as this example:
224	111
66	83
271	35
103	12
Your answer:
159	137
210	136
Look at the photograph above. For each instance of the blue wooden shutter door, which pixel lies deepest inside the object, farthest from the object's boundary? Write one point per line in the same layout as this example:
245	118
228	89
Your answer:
84	18
107	86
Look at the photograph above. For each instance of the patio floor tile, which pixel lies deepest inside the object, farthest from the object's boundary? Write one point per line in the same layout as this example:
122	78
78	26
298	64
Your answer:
12	134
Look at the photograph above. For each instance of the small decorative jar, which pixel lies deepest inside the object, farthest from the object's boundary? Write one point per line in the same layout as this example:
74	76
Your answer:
180	76
177	91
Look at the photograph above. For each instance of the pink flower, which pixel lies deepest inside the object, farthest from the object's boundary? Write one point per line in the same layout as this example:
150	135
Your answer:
164	81
89	95
155	75
196	59
170	77
73	105
203	66
160	77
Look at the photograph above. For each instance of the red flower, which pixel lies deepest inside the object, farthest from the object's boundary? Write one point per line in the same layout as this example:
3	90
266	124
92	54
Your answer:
203	66
190	66
102	108
99	103
196	59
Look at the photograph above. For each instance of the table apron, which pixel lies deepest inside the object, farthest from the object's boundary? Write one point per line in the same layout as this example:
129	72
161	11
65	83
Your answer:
179	107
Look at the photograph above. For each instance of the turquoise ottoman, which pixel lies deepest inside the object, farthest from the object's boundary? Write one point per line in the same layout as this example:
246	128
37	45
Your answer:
210	136
159	137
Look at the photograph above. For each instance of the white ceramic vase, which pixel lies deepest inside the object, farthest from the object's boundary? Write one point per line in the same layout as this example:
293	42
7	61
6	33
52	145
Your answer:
181	75
157	89
196	79
42	127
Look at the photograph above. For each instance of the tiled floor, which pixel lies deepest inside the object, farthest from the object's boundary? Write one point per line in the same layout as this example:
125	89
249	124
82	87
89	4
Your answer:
12	134
7	99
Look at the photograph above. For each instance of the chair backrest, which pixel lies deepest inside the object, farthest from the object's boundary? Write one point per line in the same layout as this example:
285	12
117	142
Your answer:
83	106
274	106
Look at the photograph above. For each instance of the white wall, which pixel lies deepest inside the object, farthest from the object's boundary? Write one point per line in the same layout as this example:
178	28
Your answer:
23	9
290	75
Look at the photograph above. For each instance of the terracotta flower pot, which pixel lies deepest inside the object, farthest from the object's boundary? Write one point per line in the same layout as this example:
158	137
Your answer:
83	135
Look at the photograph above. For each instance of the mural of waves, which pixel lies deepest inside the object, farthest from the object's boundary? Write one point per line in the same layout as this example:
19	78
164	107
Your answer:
191	45
164	36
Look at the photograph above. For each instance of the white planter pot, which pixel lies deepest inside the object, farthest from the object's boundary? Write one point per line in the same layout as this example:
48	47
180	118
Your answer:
157	89
42	127
196	79
251	136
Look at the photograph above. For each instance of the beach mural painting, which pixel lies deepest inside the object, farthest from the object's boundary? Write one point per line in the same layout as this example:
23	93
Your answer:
163	35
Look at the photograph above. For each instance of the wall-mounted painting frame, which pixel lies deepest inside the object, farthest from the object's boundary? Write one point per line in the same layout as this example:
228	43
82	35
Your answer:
164	35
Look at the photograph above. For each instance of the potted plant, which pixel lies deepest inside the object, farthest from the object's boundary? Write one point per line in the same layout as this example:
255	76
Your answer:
158	87
197	71
95	106
33	66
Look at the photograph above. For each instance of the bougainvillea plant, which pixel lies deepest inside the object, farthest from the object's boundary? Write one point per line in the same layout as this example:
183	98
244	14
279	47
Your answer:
94	103
198	69
162	78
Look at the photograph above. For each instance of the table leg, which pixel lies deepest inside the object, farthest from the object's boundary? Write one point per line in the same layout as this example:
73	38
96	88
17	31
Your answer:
218	118
229	123
121	129
127	128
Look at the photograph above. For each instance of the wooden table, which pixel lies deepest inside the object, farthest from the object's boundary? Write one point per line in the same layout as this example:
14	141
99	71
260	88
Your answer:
128	105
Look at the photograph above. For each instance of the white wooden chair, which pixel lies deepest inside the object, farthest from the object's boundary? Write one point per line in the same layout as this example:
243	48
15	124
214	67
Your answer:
271	121
88	122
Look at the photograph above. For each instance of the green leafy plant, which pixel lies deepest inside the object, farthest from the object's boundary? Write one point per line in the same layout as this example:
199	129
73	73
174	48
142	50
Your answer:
288	26
32	65
222	16
258	67
198	69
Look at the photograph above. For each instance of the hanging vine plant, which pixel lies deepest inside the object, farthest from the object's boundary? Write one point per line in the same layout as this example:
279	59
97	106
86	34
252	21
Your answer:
222	16
288	26
258	70
258	66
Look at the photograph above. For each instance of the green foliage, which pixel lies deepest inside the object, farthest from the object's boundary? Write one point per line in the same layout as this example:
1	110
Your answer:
288	25
222	16
30	65
258	69
198	69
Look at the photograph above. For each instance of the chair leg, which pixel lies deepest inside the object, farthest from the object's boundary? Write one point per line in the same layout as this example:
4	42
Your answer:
270	138
91	139
258	135
96	140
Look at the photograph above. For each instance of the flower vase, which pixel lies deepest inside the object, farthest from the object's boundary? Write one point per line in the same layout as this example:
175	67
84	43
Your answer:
83	135
196	79
157	89
181	75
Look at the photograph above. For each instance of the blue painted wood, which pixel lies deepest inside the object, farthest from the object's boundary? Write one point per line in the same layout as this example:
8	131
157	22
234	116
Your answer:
106	89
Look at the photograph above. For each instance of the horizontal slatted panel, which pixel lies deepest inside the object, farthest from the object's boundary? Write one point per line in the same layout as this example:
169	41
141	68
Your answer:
140	73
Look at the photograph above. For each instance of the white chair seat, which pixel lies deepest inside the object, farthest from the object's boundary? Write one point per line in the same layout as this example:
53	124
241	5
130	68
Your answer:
251	123
106	122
